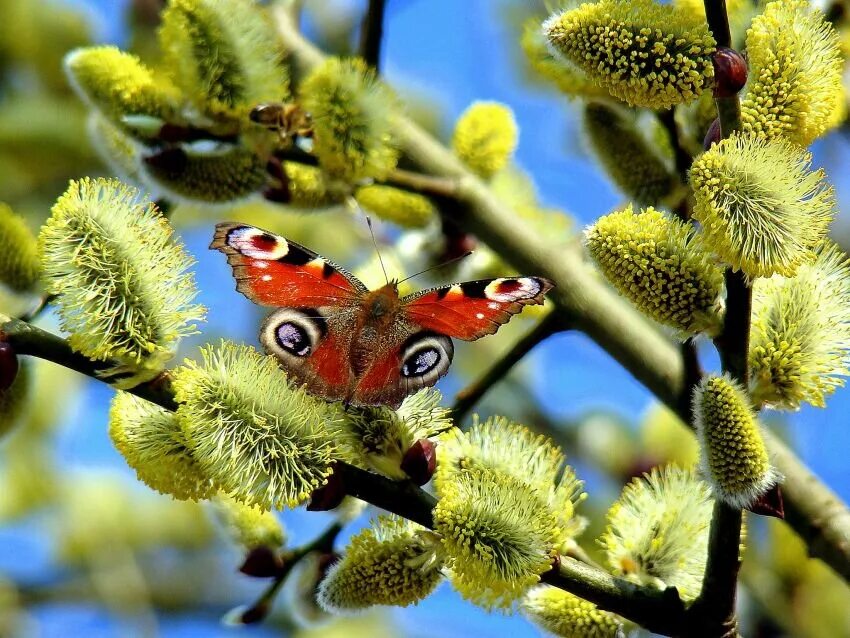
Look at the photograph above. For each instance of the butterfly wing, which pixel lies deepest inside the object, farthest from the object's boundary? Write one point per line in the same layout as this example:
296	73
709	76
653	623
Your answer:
474	309
310	333
273	271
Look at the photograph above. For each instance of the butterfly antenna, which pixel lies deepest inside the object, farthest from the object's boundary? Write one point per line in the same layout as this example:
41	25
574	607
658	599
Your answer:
377	252
440	265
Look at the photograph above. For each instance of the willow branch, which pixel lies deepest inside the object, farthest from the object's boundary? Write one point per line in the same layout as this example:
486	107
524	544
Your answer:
372	33
594	308
472	394
714	609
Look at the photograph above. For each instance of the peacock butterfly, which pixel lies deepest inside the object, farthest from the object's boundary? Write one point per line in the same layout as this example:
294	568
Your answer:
347	343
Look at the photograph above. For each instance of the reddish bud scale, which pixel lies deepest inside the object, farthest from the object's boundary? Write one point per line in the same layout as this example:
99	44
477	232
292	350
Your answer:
328	496
730	72
713	135
255	614
261	562
420	461
8	366
770	504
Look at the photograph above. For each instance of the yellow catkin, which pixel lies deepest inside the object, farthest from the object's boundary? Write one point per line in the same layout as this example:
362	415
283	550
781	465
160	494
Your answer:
734	457
19	262
795	88
762	208
660	264
567	616
644	52
485	137
409	210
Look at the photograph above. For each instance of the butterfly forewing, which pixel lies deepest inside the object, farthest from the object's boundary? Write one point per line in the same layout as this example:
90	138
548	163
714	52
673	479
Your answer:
473	309
273	271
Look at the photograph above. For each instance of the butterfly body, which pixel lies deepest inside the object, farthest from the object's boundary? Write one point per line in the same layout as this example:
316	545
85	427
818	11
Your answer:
347	343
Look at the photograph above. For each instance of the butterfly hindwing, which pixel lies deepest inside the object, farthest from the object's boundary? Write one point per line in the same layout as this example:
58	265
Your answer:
274	271
473	309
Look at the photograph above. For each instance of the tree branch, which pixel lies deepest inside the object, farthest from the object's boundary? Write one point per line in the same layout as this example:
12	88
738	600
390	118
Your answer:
372	32
596	310
472	394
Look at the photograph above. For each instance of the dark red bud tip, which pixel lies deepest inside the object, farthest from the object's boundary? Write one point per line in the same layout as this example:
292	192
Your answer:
170	160
8	365
277	194
730	72
420	461
261	562
712	135
770	504
255	614
328	496
274	167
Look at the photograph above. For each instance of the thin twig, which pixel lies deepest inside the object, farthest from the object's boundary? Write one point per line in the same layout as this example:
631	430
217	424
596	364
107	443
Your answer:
472	394
372	33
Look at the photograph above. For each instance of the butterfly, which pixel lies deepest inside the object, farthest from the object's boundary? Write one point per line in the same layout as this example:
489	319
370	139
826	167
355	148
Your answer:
347	343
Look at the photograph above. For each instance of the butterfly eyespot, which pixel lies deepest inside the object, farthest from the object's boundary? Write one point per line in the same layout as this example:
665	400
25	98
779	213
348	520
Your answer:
288	333
426	356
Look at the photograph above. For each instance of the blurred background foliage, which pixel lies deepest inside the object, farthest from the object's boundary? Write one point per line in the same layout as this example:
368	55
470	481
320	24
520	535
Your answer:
87	550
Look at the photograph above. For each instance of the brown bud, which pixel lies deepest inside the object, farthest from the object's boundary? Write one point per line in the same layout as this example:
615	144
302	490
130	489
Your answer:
730	72
277	194
8	365
328	496
255	614
261	562
169	160
770	504
712	135
420	461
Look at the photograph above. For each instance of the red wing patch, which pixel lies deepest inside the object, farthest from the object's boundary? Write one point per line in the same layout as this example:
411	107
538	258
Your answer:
274	271
473	309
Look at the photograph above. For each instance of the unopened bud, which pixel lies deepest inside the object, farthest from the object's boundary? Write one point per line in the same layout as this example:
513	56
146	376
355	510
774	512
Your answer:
420	461
730	72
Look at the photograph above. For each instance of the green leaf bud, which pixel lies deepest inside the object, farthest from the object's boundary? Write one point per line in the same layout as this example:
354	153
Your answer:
485	137
259	439
662	266
352	120
800	335
563	614
121	278
645	53
734	458
657	531
628	155
223	55
223	173
117	83
393	562
409	210
19	264
796	66
151	441
761	208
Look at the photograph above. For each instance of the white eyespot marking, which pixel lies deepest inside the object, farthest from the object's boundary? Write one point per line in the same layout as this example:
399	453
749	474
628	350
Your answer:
291	334
267	277
426	358
257	244
261	264
479	315
507	290
493	306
